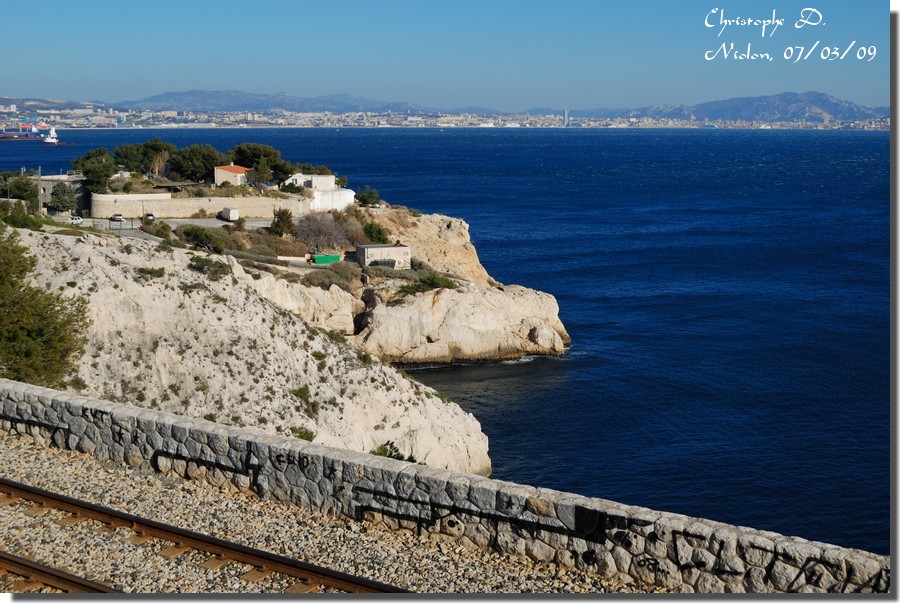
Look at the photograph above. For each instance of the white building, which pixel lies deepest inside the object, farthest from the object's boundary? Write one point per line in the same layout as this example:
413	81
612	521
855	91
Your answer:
326	194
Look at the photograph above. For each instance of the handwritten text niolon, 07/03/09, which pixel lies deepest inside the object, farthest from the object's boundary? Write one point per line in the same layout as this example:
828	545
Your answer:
809	17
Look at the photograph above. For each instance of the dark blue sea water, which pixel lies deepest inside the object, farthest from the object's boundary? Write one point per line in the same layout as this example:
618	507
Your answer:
727	293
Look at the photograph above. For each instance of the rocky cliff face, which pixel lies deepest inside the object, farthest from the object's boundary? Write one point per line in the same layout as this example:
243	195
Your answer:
440	241
252	349
467	323
242	351
479	320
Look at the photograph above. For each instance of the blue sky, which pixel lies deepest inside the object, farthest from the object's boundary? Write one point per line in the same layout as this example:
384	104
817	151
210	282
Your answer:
508	55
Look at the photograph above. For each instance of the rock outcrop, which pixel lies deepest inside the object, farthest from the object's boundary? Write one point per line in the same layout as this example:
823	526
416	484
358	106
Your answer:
467	323
440	241
233	351
479	320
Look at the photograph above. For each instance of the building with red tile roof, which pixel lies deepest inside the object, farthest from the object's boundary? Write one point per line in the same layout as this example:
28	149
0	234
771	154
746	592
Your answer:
233	174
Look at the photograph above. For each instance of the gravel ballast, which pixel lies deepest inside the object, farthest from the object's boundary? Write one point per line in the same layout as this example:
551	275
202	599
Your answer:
400	558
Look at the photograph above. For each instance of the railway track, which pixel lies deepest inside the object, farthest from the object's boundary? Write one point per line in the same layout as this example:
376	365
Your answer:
308	577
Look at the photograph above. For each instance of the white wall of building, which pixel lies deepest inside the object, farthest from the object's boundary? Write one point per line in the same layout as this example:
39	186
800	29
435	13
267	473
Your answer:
338	200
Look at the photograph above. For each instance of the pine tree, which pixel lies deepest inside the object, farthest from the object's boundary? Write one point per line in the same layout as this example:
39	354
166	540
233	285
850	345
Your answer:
42	334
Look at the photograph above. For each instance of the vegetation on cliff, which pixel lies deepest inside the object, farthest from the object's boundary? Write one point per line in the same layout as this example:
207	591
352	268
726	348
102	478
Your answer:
42	333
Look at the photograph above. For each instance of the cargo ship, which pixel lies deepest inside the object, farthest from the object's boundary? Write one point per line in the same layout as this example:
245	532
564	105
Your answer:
23	134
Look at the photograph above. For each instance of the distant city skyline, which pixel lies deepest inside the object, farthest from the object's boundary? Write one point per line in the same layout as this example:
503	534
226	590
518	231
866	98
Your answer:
499	54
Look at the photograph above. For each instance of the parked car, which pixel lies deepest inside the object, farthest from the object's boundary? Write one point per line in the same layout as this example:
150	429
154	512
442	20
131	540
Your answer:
149	218
117	218
76	220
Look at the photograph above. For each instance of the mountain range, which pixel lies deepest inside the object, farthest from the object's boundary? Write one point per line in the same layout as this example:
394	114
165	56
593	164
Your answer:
787	106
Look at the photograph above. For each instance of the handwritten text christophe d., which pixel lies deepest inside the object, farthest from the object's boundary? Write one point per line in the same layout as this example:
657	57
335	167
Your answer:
720	23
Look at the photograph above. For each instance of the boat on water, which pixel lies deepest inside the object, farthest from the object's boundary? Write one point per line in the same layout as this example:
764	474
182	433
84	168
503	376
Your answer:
23	135
20	136
51	138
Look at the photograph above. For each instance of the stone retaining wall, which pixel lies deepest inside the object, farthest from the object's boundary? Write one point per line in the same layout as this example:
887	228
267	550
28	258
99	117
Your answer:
594	535
164	206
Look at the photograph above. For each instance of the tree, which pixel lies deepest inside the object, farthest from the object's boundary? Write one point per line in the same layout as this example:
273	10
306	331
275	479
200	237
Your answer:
250	155
260	174
130	157
320	230
376	233
283	222
42	334
140	157
97	165
310	169
368	196
16	185
62	198
196	162
159	162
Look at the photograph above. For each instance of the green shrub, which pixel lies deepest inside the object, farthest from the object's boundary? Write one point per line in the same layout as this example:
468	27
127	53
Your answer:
303	433
145	274
18	217
346	270
325	278
213	269
390	450
158	229
336	336
77	383
282	222
375	232
190	288
203	238
427	282
367	196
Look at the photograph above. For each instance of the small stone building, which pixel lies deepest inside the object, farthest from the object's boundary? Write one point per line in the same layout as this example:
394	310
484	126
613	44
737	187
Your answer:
233	174
395	256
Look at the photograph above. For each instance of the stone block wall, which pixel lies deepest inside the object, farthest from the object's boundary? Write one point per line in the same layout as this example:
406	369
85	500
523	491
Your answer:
164	206
594	535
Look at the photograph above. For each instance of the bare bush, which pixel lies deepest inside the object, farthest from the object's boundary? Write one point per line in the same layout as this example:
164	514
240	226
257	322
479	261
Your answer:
321	230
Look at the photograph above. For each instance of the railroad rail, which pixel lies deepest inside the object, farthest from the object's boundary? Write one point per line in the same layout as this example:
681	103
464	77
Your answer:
49	576
222	551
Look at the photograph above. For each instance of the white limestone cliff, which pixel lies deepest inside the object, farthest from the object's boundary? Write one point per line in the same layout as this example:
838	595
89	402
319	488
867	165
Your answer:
234	351
467	323
478	320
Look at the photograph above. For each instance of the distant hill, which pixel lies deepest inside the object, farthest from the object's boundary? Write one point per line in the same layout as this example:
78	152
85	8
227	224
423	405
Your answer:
814	107
222	101
29	104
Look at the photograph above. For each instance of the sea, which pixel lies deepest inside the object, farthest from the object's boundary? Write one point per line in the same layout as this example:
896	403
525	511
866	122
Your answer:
727	293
